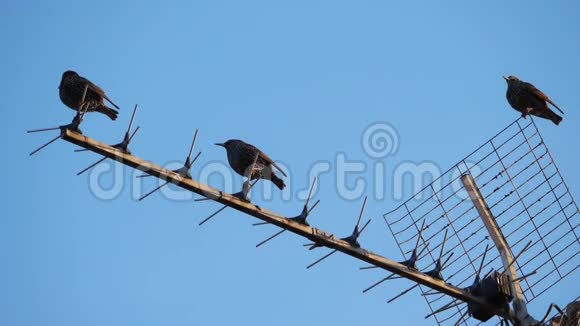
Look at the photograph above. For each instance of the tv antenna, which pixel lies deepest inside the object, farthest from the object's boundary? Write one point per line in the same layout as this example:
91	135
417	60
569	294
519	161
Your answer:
508	193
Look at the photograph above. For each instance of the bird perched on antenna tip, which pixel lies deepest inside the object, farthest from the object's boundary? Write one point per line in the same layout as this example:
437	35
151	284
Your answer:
242	155
71	89
527	99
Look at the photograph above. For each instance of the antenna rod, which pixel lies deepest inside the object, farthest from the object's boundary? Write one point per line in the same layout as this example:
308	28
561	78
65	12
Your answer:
212	215
420	235
310	193
270	238
321	259
525	276
446	307
390	277
528	245
482	260
132	118
154	190
92	165
403	293
43	146
42	130
443	244
361	212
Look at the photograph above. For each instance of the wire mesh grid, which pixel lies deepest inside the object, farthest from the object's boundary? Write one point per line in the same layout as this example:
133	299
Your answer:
571	311
529	199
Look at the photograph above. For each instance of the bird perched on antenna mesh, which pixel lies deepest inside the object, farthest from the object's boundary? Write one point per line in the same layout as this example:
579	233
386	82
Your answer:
527	99
242	156
71	91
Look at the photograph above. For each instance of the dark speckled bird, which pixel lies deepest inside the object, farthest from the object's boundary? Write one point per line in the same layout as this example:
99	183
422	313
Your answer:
241	156
527	99
71	90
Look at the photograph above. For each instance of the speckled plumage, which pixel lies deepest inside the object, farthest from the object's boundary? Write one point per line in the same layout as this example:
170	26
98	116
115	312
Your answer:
71	90
527	99
241	156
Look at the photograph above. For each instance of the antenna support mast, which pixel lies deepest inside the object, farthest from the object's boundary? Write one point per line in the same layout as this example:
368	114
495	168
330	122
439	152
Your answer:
522	316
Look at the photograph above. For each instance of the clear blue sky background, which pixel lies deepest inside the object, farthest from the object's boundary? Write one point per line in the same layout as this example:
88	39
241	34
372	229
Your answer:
300	79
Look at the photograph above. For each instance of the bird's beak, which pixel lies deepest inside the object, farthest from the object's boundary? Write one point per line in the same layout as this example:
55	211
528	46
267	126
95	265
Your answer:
504	77
220	144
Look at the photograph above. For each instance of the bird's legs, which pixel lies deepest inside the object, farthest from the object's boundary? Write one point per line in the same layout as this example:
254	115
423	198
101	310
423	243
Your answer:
83	108
247	186
527	112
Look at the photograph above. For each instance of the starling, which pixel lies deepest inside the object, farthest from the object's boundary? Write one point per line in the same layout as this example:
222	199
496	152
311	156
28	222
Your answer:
241	156
527	99
71	90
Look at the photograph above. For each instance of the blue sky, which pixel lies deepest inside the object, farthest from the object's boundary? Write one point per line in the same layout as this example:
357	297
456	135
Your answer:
301	80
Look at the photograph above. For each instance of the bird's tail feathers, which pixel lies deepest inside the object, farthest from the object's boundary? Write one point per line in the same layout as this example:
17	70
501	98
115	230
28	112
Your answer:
278	182
556	118
111	113
550	115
